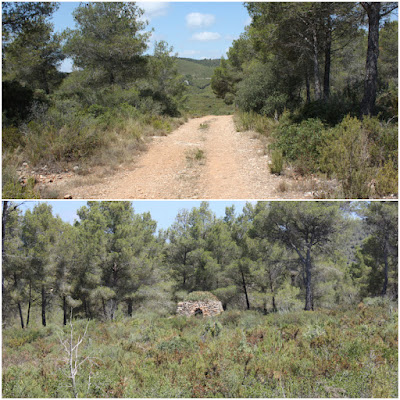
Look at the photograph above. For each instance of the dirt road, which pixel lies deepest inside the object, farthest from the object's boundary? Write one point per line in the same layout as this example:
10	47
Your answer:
203	159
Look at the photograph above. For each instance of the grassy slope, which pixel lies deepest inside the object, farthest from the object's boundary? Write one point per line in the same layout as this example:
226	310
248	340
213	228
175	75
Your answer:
201	99
336	353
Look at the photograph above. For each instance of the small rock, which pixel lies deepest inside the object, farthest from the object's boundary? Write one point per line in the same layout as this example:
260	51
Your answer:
76	168
67	196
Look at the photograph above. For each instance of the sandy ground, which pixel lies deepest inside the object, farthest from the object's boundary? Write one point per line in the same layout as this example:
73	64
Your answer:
229	165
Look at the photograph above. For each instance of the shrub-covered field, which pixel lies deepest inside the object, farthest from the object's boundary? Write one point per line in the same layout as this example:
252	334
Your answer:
326	353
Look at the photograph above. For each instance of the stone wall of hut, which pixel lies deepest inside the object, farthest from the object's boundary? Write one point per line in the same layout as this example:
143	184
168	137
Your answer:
208	308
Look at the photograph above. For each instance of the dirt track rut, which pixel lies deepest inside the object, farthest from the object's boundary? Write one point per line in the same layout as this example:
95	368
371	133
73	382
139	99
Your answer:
203	159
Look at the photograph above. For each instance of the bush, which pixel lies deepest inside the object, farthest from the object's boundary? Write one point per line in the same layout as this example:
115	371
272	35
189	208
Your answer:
229	98
213	328
347	157
363	155
175	344
276	164
387	180
330	111
302	142
11	137
230	317
12	188
251	121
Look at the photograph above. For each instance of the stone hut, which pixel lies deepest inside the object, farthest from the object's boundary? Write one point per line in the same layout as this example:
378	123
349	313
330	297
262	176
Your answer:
200	304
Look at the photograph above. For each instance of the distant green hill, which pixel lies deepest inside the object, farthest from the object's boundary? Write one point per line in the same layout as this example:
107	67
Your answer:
201	100
192	69
208	62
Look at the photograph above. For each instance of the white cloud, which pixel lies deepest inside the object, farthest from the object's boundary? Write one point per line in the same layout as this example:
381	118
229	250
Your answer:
206	36
197	20
153	9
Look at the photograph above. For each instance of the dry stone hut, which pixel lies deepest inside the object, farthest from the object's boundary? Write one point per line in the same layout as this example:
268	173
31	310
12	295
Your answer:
200	304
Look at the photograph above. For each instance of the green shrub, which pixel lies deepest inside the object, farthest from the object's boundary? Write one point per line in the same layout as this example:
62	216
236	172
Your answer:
11	137
229	98
231	317
251	121
175	344
276	164
214	328
331	111
387	180
21	337
12	188
302	142
348	158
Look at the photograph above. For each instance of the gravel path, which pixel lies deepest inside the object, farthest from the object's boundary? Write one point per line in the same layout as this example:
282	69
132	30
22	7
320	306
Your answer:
203	159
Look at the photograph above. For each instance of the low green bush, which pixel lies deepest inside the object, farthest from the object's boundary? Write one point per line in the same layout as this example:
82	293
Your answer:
276	165
12	187
360	155
11	137
301	143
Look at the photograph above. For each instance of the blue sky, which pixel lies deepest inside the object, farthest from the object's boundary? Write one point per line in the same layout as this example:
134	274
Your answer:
164	212
194	29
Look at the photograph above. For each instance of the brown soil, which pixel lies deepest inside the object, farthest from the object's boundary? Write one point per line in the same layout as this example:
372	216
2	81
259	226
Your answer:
205	158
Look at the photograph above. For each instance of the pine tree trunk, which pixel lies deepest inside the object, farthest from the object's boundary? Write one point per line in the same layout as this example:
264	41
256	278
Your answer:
308	91
20	315
104	309
386	280
271	287
317	83
245	290
18	303
309	300
29	304
371	66
3	237
43	306
327	72
130	308
65	310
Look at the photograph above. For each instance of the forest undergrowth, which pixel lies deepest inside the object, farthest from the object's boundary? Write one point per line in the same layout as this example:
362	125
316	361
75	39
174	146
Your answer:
326	353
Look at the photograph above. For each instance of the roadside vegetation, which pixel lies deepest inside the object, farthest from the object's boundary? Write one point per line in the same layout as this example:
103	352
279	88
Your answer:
306	88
